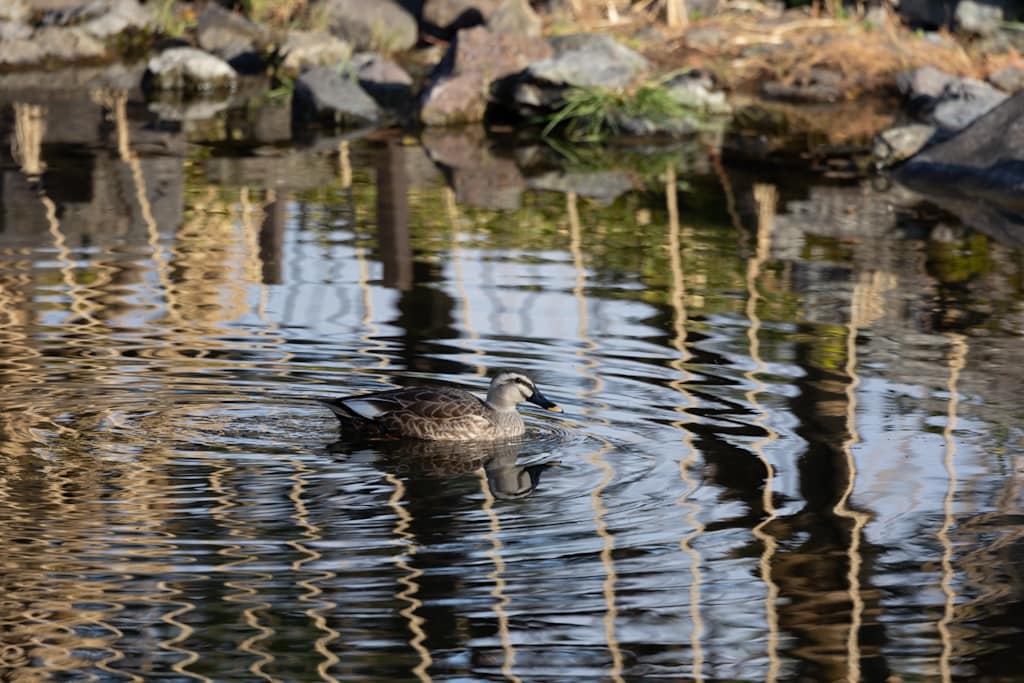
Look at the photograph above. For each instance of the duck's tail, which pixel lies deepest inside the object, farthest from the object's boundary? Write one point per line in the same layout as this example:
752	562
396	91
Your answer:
353	425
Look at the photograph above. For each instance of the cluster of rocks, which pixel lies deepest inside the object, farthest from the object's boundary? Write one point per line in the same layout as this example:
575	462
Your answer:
346	73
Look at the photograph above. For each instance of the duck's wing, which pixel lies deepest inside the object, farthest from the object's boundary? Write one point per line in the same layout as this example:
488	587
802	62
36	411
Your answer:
435	403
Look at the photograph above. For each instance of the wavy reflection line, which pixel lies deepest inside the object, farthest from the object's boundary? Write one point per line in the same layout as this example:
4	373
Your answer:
316	612
957	361
766	197
244	593
842	509
498	577
371	346
677	298
587	368
409	581
118	102
469	345
185	632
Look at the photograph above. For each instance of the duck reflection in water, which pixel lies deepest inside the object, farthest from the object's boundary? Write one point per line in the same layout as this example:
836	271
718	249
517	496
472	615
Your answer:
432	460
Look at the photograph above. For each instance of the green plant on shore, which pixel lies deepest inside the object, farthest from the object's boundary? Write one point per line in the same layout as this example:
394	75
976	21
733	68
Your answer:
171	20
592	114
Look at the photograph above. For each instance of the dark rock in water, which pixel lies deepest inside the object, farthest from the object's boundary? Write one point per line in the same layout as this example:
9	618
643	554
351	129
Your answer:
378	25
978	18
1009	79
188	69
326	95
470	76
589	60
900	143
979	171
383	80
478	176
233	38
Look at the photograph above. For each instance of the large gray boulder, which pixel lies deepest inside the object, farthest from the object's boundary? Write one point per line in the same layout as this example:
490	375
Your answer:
188	70
589	60
324	94
378	25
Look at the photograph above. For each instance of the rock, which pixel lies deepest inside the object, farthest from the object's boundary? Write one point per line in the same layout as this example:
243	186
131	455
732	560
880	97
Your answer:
325	94
68	44
378	25
977	18
188	69
515	17
232	37
120	16
925	81
695	90
900	143
465	84
383	80
20	52
962	102
1009	79
14	30
589	60
445	18
17	11
929	14
303	49
979	172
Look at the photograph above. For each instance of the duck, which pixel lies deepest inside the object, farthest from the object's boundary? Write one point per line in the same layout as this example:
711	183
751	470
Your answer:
440	413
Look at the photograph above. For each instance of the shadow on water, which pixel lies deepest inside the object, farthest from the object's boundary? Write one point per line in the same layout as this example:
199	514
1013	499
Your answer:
791	447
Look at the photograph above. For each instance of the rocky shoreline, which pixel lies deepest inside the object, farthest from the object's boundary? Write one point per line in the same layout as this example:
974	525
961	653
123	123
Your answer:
510	64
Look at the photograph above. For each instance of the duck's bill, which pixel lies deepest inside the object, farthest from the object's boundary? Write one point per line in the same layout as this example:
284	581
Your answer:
542	401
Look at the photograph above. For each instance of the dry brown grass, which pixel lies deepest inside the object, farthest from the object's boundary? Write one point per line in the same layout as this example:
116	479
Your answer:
788	47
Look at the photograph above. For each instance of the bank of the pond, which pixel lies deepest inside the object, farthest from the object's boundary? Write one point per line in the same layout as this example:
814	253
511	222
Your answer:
768	76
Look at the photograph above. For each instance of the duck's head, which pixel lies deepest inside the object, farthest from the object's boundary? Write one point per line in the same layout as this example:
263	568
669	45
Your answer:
510	387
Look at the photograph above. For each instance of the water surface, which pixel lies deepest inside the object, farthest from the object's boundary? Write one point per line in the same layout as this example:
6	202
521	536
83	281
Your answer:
791	446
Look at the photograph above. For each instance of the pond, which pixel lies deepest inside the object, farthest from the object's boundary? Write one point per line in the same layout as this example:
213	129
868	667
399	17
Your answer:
791	445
